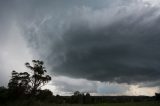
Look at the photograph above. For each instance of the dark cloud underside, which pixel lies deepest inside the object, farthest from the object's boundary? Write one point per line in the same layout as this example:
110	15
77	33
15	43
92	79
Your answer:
128	50
103	41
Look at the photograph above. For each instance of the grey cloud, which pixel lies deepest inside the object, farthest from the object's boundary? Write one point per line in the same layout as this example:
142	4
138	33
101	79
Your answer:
150	84
112	89
116	44
70	85
125	51
114	41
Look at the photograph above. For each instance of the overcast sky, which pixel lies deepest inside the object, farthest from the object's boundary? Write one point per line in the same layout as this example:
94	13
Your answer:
105	47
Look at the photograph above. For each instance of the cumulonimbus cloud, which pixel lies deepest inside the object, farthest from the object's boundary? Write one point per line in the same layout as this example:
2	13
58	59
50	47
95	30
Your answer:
125	50
115	44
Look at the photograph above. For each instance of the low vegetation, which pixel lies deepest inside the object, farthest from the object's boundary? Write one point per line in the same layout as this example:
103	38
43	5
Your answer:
24	89
38	103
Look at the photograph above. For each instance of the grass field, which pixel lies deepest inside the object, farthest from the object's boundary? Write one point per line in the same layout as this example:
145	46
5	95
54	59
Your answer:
107	104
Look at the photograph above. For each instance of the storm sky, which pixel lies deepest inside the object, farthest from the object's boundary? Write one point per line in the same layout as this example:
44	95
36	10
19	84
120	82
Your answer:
105	47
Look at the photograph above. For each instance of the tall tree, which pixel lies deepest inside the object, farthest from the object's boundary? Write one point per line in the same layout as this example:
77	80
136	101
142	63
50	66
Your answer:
19	84
24	83
39	77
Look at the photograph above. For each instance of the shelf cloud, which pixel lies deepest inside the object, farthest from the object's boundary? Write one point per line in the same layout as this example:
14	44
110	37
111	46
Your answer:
117	45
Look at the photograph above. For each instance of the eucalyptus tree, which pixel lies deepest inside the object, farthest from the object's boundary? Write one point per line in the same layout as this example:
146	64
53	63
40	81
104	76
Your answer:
24	83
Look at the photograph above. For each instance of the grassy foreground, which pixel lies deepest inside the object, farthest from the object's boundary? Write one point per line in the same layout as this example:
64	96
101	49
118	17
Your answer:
106	104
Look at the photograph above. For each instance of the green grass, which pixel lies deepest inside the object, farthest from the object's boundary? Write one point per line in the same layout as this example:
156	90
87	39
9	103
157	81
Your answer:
106	104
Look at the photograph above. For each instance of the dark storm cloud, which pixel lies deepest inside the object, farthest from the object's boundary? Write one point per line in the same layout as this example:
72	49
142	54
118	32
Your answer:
150	84
127	50
6	10
116	43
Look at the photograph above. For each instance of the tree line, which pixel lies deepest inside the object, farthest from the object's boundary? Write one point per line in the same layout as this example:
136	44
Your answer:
27	86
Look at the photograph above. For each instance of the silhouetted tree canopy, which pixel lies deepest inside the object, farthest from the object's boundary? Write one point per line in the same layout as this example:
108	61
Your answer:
77	93
87	94
19	84
44	94
3	94
38	79
23	83
157	96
